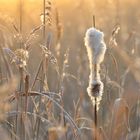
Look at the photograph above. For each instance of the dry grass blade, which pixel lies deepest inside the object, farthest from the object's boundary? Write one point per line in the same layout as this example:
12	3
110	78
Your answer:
16	29
35	29
120	110
30	93
116	65
14	113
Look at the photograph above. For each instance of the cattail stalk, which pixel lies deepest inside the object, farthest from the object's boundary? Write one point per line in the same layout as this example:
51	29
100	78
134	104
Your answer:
94	42
96	48
95	108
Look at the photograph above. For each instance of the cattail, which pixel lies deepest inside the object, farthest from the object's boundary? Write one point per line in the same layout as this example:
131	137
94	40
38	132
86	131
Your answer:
96	48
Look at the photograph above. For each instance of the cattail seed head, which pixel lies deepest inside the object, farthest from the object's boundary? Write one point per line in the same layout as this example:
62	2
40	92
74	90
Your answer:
94	41
96	48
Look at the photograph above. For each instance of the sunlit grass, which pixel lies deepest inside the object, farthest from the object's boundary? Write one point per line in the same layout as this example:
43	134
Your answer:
44	70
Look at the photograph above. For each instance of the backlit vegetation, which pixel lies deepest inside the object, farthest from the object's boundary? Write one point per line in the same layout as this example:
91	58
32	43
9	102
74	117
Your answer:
44	70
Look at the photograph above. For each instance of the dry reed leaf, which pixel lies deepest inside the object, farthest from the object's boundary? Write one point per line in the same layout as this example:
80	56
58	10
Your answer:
120	118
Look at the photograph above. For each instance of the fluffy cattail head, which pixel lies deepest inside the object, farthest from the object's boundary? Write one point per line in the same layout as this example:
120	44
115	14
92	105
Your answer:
93	36
94	42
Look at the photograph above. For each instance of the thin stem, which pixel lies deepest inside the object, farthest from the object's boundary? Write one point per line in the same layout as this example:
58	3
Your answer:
93	22
95	119
20	16
1	77
96	106
44	21
26	92
21	102
20	20
37	73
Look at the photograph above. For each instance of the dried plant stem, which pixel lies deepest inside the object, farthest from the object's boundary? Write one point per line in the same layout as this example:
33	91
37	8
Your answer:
20	19
21	72
96	106
26	92
37	73
96	48
41	89
95	119
21	102
138	119
96	74
63	119
16	120
116	66
44	21
20	16
42	68
37	123
1	72
93	22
